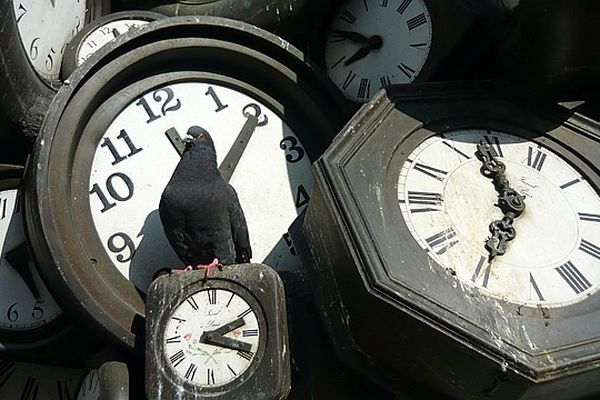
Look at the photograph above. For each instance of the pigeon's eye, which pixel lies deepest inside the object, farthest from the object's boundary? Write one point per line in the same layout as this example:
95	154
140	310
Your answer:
201	136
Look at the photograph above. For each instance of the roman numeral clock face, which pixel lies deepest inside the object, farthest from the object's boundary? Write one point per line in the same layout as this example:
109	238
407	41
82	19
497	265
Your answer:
449	204
45	28
373	44
212	361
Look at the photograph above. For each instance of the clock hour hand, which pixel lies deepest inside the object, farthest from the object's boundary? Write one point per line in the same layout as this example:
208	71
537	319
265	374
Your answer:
20	259
373	43
353	36
218	340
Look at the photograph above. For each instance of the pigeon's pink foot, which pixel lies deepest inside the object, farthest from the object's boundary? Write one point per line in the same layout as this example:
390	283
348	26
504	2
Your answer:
209	267
180	271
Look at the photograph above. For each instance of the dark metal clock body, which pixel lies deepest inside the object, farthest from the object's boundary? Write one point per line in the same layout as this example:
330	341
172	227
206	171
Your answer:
113	150
248	357
522	326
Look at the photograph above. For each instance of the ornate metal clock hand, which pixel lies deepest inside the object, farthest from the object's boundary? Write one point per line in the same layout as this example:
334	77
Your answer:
510	202
19	258
374	42
353	36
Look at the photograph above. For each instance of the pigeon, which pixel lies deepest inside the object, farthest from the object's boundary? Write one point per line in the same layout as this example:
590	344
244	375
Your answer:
200	212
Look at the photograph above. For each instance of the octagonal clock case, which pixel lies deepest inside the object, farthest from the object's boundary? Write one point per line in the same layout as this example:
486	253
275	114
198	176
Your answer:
436	279
114	135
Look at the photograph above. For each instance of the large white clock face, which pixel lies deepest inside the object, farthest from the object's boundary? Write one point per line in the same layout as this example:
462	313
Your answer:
19	308
45	28
135	159
30	381
399	39
103	35
211	364
448	205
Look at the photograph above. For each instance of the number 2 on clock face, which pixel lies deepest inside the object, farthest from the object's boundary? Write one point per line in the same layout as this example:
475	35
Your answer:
448	205
135	158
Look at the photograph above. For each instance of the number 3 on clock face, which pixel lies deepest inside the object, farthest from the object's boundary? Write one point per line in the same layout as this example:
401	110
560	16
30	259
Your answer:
257	153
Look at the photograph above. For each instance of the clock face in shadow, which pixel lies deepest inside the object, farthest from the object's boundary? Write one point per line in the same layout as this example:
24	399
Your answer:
449	204
45	28
25	303
134	160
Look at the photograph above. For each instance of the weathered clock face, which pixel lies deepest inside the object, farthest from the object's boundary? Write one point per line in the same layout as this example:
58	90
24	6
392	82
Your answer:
448	205
211	364
31	381
103	35
19	281
372	44
134	160
45	28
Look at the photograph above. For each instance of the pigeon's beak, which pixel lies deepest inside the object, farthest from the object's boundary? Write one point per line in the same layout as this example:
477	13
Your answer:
187	141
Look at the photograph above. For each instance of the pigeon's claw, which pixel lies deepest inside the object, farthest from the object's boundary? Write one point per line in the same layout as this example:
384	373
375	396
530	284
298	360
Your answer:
209	267
180	271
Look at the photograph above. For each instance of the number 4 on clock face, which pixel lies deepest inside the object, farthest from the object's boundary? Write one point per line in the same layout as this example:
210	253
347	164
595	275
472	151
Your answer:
257	152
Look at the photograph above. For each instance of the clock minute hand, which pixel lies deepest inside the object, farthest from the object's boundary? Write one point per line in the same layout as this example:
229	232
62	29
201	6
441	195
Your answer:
223	341
510	201
231	160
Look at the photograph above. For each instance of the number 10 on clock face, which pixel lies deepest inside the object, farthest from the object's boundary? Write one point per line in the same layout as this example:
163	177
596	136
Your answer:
257	152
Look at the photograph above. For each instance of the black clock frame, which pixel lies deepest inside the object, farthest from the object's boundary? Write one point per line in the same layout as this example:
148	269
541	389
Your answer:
25	95
269	69
449	336
261	287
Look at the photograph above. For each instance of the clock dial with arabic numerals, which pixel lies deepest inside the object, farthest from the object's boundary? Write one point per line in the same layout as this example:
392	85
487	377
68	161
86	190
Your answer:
45	28
134	160
372	44
118	136
29	315
448	205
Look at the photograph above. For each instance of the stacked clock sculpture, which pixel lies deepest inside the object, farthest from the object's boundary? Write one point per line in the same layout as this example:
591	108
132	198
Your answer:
445	233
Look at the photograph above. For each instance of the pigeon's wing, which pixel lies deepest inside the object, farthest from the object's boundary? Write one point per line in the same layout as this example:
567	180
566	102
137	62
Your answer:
173	222
239	229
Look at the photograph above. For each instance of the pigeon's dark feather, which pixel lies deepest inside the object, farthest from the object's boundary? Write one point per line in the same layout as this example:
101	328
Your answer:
200	212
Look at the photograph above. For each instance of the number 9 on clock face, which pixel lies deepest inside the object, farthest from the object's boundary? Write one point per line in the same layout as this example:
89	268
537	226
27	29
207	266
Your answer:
132	161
